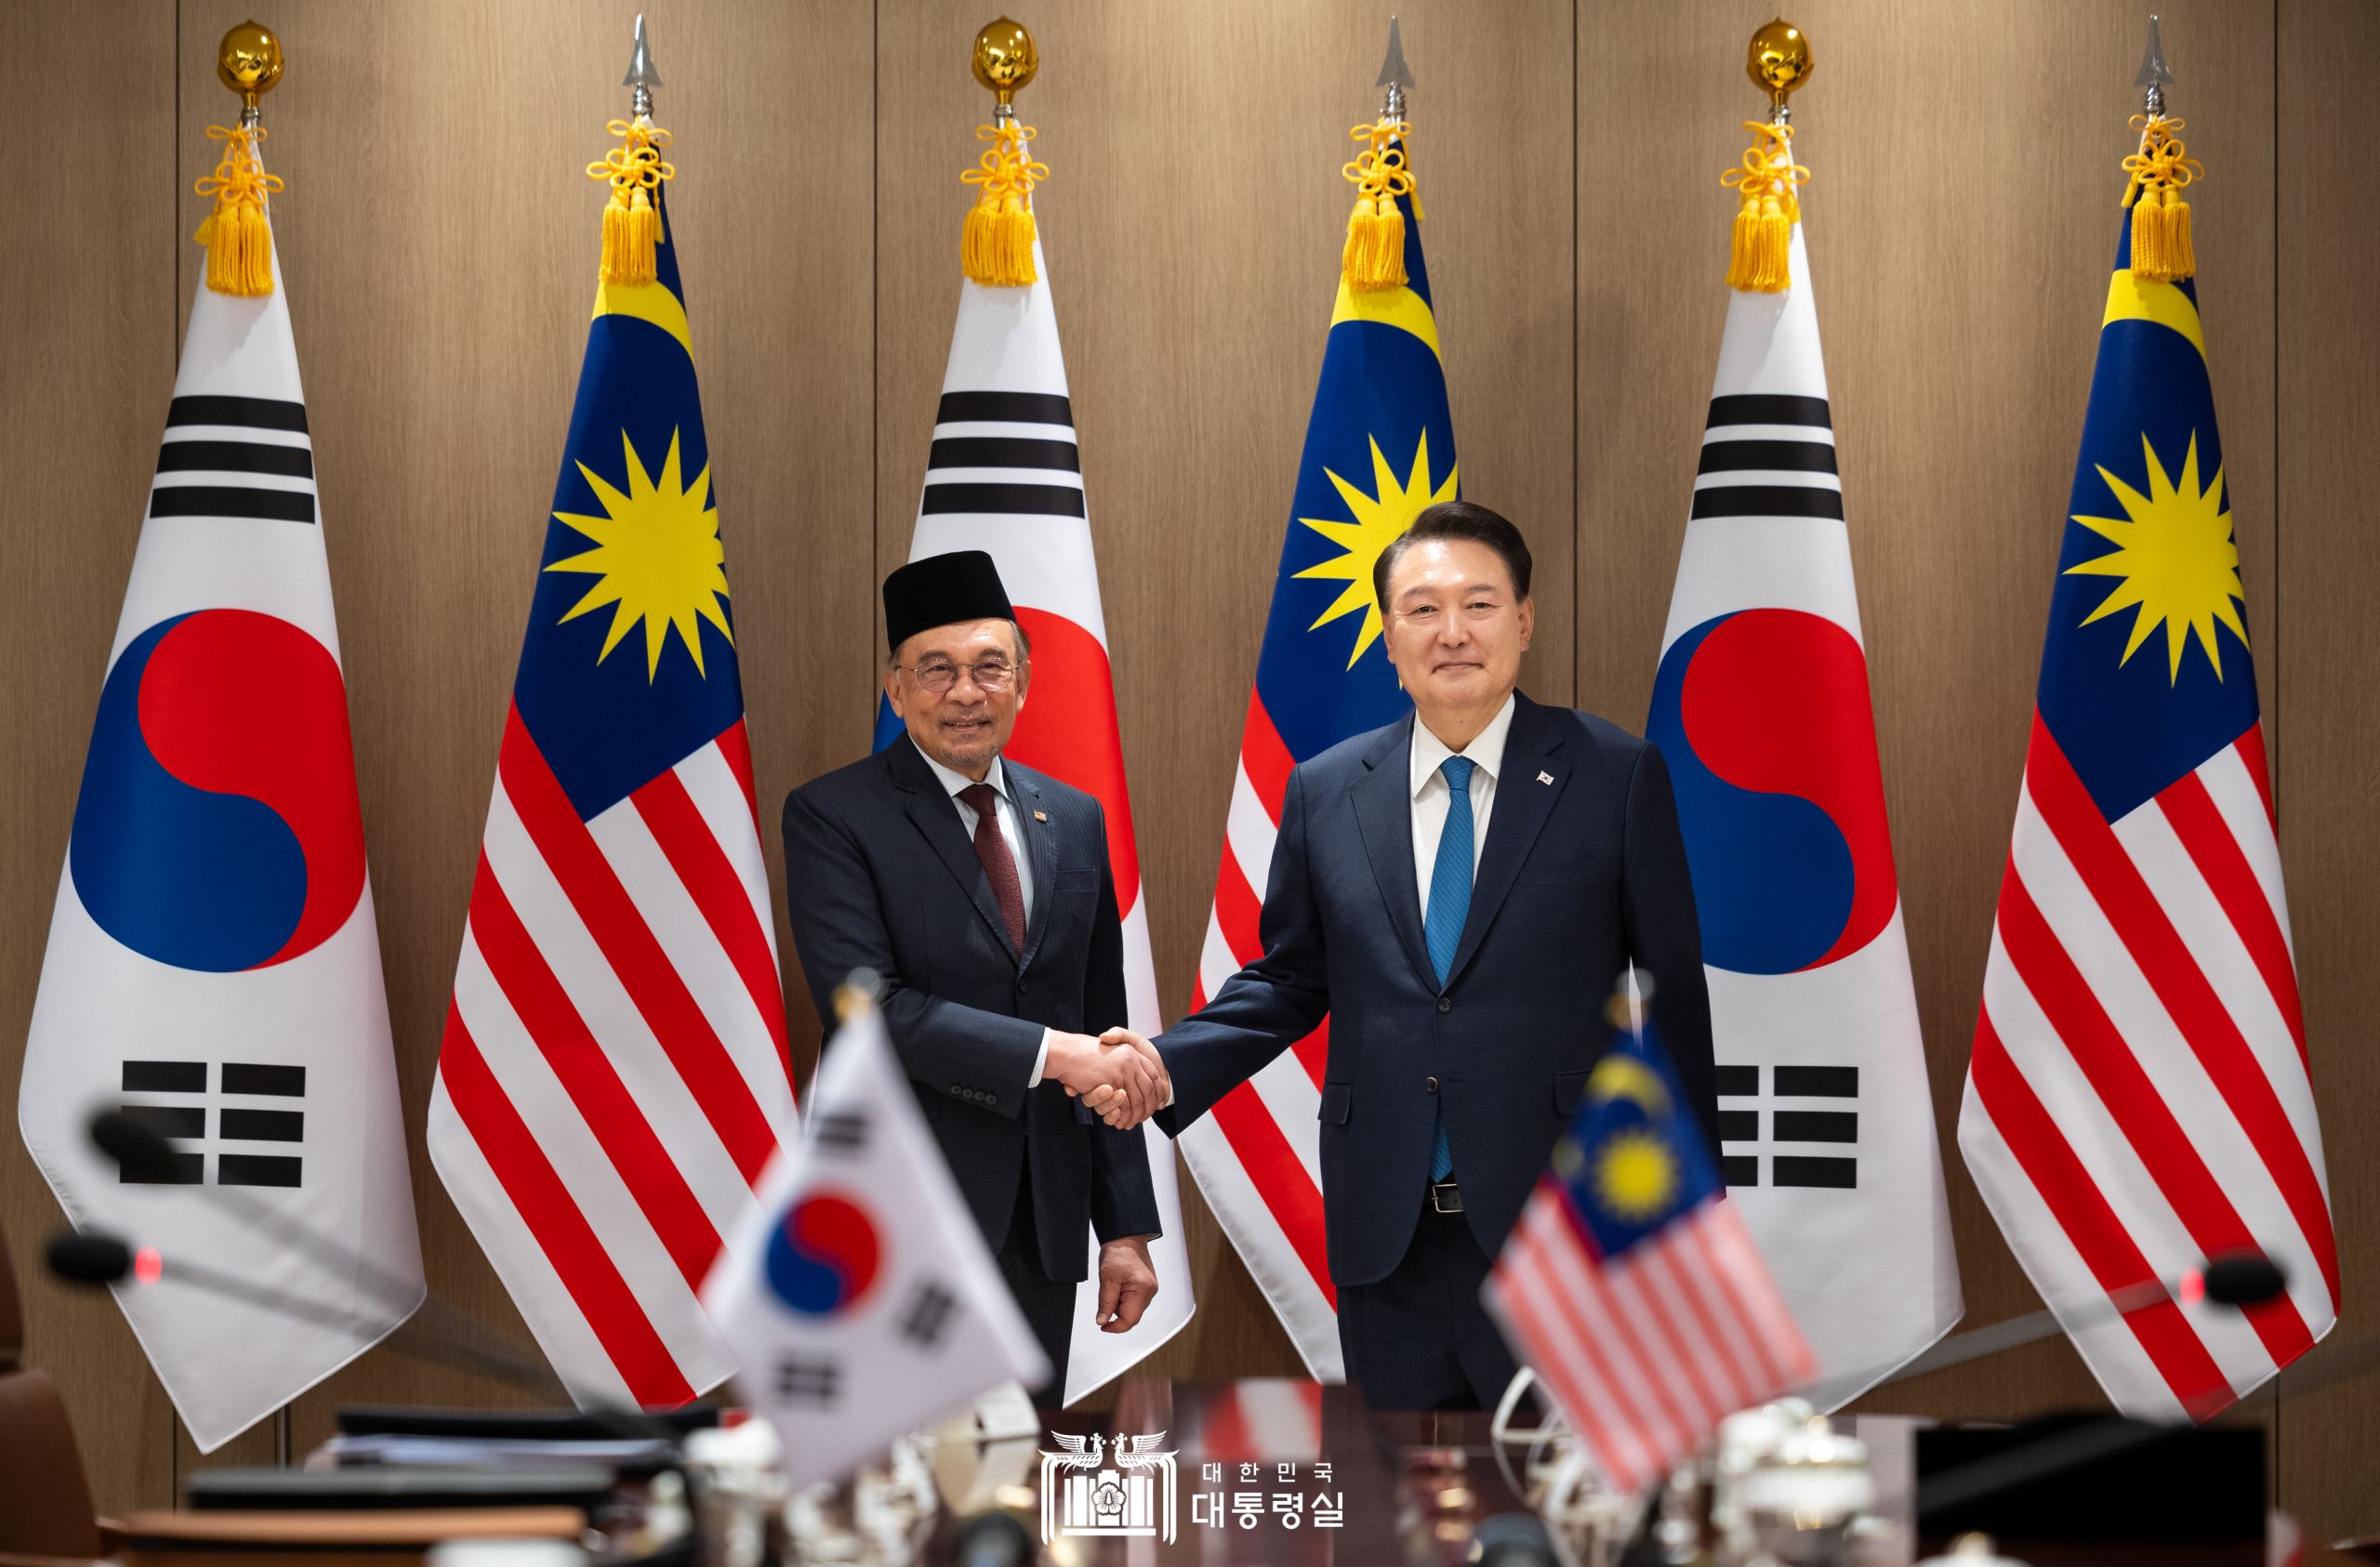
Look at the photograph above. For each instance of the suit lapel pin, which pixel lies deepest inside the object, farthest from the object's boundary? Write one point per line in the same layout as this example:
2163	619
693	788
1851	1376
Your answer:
1545	778
1040	816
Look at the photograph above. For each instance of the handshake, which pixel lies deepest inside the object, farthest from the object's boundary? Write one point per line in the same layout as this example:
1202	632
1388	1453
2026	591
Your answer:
1117	1073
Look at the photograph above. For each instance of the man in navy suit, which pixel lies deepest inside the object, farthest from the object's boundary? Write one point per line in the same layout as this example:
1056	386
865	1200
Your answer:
1457	892
980	892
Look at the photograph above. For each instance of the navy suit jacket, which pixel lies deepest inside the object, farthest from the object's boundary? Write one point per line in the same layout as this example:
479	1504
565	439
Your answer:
1583	871
880	875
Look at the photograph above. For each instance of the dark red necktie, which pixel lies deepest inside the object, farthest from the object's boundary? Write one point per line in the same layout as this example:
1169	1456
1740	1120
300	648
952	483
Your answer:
999	865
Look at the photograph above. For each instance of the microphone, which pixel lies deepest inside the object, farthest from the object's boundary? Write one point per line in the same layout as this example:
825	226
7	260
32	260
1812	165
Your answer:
441	1331
432	1328
95	1257
2237	1279
147	1157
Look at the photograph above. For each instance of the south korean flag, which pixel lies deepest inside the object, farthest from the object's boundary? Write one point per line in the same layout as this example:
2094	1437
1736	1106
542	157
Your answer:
858	1296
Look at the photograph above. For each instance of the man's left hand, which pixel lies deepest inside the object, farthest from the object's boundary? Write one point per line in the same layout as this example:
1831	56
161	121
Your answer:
1127	1284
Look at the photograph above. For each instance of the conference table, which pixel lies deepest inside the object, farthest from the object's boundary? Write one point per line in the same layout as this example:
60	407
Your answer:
1281	1473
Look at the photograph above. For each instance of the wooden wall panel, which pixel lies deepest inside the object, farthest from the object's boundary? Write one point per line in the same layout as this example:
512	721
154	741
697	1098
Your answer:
2328	756
90	324
1959	299
1192	225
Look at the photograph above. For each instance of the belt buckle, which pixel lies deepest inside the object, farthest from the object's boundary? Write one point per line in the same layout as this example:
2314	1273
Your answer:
1446	1196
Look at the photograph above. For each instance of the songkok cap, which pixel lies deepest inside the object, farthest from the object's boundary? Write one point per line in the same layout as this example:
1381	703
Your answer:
942	591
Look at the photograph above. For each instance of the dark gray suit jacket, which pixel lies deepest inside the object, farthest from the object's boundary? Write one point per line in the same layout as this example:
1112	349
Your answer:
1584	869
880	875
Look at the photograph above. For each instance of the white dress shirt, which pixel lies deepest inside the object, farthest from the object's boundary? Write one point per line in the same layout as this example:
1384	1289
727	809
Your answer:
1011	829
1431	797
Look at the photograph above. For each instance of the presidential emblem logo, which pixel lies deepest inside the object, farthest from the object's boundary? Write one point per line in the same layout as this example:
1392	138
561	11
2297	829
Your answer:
1089	1488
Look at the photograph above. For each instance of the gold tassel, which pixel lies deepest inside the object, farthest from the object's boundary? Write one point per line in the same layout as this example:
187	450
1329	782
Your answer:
995	245
1373	258
237	235
1760	250
631	218
2161	247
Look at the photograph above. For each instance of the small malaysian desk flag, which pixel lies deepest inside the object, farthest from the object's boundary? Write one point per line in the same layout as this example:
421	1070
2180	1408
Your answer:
857	1295
1631	1286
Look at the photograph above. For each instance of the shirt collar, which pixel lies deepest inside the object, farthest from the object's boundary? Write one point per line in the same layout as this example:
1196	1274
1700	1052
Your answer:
952	782
1487	747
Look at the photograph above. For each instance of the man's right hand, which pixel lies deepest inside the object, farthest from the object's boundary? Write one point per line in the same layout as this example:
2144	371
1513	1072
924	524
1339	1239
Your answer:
1124	1084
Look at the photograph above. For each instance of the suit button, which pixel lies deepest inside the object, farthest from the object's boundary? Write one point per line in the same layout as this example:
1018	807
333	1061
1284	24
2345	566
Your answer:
1430	1084
1445	1005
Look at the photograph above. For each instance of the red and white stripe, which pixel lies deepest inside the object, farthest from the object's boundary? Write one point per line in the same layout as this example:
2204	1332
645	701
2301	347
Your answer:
1258	1156
1645	1353
614	1077
2139	1099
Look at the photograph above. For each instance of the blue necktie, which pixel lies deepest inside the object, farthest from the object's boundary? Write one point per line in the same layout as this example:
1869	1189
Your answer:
1449	906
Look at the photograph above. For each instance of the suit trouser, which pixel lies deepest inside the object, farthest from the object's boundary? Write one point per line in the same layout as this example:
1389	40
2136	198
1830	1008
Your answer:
1420	1338
1047	1303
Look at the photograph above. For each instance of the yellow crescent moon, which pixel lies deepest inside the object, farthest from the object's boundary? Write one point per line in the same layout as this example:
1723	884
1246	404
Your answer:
1619	1076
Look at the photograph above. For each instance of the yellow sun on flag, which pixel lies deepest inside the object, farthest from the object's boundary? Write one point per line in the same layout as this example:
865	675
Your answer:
1379	519
2176	560
657	560
1635	1176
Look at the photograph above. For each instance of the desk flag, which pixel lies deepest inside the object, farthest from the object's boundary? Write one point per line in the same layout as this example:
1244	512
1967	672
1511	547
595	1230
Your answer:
857	1294
1379	448
1632	1286
1761	709
1004	475
214	967
2139	1097
614	1077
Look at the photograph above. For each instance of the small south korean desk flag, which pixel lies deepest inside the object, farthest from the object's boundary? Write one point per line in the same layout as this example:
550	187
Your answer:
857	1295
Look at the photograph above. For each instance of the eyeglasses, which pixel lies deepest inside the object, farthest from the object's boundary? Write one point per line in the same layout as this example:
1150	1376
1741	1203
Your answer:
937	676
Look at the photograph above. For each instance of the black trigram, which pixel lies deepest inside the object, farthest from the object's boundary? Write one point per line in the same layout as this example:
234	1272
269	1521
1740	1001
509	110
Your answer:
840	1131
178	1112
1003	453
809	1379
1744	1151
1767	455
235	457
928	1315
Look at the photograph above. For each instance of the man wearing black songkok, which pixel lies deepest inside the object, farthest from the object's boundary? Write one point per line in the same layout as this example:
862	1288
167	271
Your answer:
980	890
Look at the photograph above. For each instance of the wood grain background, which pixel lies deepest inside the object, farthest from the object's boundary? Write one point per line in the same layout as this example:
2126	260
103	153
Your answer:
438	240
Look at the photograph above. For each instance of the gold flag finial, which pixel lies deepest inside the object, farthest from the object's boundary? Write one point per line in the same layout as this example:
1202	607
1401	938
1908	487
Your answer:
1005	61
1777	62
249	63
995	247
1759	255
238	240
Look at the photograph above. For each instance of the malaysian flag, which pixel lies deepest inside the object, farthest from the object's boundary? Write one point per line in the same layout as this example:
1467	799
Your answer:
1631	1286
1379	448
2139	1099
614	1077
